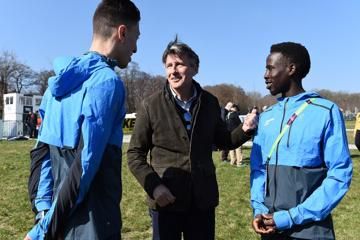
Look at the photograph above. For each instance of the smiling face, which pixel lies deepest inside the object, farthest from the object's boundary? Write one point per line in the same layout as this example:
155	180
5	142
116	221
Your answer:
277	75
180	71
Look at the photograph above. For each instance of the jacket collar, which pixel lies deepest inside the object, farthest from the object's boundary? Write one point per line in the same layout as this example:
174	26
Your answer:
169	95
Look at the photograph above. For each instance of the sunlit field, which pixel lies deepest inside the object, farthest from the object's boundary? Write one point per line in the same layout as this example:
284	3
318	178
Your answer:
233	214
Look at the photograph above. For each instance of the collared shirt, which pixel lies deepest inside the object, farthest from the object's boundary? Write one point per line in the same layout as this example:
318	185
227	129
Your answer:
186	105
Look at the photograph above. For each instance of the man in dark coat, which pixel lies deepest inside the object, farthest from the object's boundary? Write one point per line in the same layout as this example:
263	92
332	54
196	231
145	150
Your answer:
179	125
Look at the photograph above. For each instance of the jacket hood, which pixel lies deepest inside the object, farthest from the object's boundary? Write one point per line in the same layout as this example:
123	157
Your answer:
71	72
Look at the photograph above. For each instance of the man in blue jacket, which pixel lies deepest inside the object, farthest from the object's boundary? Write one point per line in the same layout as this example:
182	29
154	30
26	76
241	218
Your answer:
298	179
79	189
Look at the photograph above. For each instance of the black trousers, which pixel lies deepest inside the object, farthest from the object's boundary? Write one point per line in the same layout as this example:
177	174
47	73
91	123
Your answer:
357	139
224	154
195	224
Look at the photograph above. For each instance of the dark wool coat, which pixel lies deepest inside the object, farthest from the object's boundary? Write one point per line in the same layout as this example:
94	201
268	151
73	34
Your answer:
181	161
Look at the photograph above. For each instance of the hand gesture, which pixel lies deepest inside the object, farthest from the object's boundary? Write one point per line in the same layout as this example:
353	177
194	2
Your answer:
251	121
264	224
163	196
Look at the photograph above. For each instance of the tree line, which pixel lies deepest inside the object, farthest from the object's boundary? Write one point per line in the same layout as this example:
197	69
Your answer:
16	76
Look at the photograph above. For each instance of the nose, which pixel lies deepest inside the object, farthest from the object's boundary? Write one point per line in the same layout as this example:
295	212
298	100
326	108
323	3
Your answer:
135	49
266	74
173	69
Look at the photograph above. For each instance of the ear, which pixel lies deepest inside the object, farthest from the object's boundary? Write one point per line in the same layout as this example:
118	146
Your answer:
121	32
292	69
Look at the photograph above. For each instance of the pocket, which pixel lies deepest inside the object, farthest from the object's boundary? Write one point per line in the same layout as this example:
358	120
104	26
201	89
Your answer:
309	179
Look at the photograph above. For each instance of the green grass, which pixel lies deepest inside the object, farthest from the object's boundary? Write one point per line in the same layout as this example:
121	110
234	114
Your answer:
350	124
233	214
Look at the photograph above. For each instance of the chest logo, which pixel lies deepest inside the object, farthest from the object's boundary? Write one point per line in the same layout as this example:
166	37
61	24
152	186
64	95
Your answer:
267	122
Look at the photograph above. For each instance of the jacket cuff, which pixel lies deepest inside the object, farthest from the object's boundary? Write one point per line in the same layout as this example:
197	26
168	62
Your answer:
151	182
283	220
240	136
258	211
35	233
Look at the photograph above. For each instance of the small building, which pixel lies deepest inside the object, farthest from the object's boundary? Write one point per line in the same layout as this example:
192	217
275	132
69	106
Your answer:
16	107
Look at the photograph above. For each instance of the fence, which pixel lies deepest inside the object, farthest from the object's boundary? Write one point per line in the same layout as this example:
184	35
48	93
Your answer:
10	129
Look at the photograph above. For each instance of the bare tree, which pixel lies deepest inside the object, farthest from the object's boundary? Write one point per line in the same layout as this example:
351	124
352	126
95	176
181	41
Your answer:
346	101
22	77
138	85
8	64
41	80
229	92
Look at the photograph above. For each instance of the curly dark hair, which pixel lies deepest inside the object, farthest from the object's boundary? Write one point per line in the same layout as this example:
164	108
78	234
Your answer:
295	53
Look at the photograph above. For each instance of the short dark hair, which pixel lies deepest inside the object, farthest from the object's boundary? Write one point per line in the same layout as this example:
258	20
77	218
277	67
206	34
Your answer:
112	13
297	54
179	48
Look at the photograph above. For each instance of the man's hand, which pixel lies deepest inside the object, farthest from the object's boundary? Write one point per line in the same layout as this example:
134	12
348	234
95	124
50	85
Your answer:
264	224
163	196
251	121
228	106
27	237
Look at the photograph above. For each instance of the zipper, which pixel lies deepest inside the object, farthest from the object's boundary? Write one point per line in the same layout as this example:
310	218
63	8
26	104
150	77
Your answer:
288	139
277	155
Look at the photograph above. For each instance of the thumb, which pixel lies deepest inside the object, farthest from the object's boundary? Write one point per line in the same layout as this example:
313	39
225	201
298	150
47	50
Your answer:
254	111
267	216
171	197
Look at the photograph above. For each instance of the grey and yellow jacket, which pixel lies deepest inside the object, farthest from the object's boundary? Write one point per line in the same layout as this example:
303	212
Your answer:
181	161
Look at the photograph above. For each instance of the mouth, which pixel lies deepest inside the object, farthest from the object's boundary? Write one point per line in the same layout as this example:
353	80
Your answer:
175	79
268	84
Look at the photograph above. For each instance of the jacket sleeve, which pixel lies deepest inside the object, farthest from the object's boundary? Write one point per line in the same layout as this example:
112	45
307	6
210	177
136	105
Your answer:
44	194
139	147
257	175
337	182
101	105
225	139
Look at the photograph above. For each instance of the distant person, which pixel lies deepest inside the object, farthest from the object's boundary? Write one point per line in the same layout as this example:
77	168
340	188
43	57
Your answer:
79	189
38	123
224	112
357	131
297	181
232	122
34	117
178	126
30	124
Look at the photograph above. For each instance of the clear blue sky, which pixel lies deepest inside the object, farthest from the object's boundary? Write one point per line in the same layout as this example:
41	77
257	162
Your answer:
232	37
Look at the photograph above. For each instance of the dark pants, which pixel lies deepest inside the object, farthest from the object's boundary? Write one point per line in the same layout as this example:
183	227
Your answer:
357	139
194	224
224	155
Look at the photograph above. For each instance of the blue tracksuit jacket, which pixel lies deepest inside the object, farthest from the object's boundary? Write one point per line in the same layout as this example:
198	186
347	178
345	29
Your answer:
309	172
83	110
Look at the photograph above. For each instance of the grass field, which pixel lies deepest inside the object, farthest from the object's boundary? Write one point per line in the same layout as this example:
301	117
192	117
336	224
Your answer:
233	214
